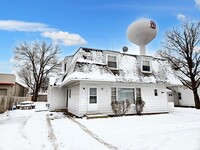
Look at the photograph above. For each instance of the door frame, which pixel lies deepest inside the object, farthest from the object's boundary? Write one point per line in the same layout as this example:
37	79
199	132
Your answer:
93	107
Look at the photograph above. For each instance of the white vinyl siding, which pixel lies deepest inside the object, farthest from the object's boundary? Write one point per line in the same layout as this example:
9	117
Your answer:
73	102
106	93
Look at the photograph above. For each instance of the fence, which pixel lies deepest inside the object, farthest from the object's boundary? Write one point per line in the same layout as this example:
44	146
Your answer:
7	102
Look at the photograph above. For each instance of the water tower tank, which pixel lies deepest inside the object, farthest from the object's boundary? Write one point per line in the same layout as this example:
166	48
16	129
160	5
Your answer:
141	32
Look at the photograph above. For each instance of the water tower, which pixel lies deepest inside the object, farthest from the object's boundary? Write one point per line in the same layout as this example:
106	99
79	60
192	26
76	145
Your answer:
141	32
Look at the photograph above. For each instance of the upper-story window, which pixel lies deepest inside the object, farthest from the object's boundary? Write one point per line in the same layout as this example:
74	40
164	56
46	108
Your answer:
146	66
112	61
65	67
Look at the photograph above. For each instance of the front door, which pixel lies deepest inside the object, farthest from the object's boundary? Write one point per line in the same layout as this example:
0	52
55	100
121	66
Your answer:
93	99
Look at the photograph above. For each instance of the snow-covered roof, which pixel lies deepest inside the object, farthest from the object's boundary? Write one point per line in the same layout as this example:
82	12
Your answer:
91	64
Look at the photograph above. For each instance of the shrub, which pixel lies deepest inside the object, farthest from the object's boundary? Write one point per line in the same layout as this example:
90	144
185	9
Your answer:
120	107
139	105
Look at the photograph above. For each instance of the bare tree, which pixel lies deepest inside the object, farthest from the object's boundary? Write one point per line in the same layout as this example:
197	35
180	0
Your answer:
35	62
181	49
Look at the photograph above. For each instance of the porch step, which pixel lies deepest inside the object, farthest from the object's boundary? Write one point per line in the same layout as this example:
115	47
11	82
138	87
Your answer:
94	116
60	110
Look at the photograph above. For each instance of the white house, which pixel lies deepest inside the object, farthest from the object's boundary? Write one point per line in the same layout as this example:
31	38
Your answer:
181	96
93	78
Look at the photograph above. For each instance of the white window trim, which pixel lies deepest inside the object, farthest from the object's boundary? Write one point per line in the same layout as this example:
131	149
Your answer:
89	94
124	88
150	63
116	61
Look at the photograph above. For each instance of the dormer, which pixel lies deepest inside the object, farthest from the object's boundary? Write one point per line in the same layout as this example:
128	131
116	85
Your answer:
112	61
146	64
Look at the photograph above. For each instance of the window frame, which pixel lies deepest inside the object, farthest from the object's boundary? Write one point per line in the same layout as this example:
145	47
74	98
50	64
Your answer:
117	93
93	95
138	94
70	93
179	96
155	92
107	61
150	65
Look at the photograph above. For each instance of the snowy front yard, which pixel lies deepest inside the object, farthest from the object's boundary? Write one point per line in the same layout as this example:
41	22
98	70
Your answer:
31	129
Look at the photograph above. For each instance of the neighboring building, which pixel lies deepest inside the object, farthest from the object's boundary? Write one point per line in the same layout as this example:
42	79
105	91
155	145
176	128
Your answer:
181	96
9	86
20	90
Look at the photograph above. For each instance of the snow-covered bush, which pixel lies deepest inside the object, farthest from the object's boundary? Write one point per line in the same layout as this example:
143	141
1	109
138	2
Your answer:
139	105
120	107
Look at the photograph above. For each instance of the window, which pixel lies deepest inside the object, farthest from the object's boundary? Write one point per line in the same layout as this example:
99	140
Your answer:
126	94
70	92
155	92
179	96
93	95
112	61
65	67
138	94
113	94
122	94
170	94
146	66
3	91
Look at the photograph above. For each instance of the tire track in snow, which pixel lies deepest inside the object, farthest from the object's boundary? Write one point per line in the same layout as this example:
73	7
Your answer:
93	135
51	134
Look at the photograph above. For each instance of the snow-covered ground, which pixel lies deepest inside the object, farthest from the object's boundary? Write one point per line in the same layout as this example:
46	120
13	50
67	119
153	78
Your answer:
179	130
24	129
38	129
